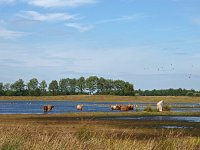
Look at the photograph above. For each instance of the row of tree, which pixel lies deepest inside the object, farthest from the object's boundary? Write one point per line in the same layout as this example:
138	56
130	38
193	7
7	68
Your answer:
168	92
67	86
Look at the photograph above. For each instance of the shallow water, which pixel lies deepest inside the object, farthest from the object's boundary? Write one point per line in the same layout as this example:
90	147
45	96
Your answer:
174	127
159	118
35	107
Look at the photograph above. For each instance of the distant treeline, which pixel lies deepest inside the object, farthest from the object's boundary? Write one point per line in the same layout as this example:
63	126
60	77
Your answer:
67	86
167	92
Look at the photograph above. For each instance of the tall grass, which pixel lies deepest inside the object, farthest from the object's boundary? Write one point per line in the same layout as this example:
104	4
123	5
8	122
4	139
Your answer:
107	98
150	109
32	138
166	108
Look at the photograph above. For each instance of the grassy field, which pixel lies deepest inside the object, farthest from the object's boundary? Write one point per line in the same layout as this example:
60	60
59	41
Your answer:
107	98
96	130
87	131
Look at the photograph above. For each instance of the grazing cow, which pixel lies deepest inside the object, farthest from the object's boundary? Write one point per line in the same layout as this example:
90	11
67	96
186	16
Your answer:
50	107
124	108
79	107
130	107
115	107
47	108
160	106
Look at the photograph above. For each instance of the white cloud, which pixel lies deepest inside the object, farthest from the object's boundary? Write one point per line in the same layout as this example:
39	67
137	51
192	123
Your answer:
119	19
33	15
7	1
80	27
51	3
59	3
83	28
10	34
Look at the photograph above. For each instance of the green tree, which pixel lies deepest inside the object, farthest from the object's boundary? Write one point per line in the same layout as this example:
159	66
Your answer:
72	86
7	89
33	87
190	94
53	87
64	86
101	86
128	89
81	85
1	89
109	87
42	87
91	84
18	87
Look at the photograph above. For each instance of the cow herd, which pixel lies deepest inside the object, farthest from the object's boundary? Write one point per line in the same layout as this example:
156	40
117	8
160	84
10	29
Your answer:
79	107
48	108
123	107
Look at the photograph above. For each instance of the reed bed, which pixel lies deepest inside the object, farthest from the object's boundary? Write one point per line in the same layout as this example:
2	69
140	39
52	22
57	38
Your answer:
54	138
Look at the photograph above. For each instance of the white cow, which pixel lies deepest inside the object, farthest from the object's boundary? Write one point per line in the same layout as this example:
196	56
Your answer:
160	106
79	107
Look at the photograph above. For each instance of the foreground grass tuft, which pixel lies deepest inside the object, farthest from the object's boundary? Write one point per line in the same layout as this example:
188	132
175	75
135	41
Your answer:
30	137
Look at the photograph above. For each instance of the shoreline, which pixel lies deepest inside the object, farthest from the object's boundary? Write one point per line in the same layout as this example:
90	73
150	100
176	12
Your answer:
106	98
104	114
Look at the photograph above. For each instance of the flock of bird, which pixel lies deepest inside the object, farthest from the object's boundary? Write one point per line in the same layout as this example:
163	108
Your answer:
168	69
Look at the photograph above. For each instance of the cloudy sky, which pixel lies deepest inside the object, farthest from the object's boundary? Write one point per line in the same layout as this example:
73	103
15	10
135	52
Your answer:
151	43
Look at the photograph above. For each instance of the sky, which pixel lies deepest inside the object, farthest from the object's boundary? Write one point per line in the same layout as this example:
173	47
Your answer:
153	44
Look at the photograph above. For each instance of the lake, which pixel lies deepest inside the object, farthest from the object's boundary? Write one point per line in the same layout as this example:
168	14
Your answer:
36	107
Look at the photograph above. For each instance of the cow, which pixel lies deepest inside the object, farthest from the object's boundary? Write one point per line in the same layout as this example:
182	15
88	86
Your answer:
130	107
124	108
79	107
50	107
47	108
115	107
160	106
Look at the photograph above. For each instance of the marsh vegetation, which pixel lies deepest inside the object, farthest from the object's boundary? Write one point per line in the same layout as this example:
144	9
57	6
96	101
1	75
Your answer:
83	131
100	130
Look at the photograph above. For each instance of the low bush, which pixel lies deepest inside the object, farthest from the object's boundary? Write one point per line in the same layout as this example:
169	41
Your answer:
149	109
166	108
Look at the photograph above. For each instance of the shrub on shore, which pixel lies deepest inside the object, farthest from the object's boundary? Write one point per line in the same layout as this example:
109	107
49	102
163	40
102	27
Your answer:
166	108
149	109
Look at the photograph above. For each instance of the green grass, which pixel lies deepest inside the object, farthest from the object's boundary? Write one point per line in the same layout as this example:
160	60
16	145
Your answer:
96	130
149	109
107	98
88	131
166	108
36	138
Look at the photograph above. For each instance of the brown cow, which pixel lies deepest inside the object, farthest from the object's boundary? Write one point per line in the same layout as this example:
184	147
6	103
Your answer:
124	108
79	107
130	107
115	107
47	108
50	107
